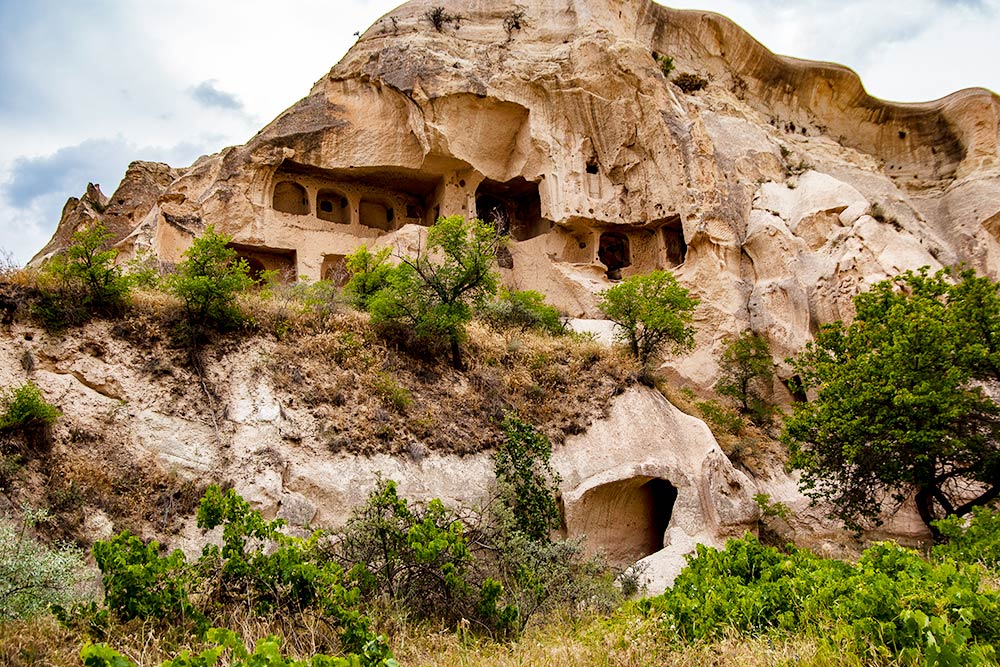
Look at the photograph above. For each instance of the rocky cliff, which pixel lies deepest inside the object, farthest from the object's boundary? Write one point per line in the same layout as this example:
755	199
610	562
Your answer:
776	192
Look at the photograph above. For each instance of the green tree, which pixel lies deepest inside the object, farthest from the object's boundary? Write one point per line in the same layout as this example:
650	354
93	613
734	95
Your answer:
900	404
208	281
87	269
369	273
746	374
653	312
432	296
33	575
525	479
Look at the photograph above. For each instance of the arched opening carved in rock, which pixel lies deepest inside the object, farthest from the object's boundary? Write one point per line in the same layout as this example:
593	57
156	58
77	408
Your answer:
514	207
613	252
626	519
332	206
290	197
674	243
279	260
377	215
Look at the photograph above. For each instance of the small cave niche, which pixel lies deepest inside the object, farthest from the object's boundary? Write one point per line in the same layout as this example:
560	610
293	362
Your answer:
290	197
280	261
626	519
332	206
794	386
513	207
592	167
674	245
377	215
334	269
613	252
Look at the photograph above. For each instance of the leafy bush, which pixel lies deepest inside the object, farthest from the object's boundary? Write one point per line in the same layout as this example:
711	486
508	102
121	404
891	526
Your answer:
652	312
746	372
974	539
439	17
34	576
666	64
258	568
208	281
719	416
430	298
227	644
892	604
26	409
526	482
689	82
82	280
524	310
369	273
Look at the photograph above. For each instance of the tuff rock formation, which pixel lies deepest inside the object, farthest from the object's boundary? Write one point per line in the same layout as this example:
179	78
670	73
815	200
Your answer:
775	193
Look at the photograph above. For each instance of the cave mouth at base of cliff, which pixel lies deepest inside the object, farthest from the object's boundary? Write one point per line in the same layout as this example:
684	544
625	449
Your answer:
626	519
280	261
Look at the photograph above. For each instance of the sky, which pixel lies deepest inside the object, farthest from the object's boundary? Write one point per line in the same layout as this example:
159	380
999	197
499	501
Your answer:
87	87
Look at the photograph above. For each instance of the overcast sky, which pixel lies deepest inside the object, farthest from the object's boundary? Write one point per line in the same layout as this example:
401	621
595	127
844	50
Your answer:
87	87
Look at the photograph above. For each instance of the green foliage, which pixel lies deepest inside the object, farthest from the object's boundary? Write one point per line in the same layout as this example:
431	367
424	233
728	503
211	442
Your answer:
417	556
653	312
525	480
86	268
720	417
690	82
891	604
141	583
746	373
257	567
25	409
229	646
900	408
771	509
84	281
524	310
973	539
208	281
369	273
666	64
33	575
431	297
391	392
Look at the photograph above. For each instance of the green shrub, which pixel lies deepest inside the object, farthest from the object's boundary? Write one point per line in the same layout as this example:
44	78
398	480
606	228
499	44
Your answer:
228	646
526	482
391	392
746	372
890	605
430	298
208	281
524	310
257	568
82	280
34	576
974	539
689	82
652	312
666	64
26	409
720	417
369	273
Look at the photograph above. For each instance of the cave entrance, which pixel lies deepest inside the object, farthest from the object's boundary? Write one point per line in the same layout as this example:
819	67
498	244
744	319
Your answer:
674	243
260	259
290	197
626	519
613	252
332	206
377	215
513	207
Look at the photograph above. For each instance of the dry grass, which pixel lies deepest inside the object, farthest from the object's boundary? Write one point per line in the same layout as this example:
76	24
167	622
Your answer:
376	397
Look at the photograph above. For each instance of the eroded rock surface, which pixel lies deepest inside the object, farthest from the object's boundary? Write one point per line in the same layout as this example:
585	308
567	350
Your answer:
758	191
